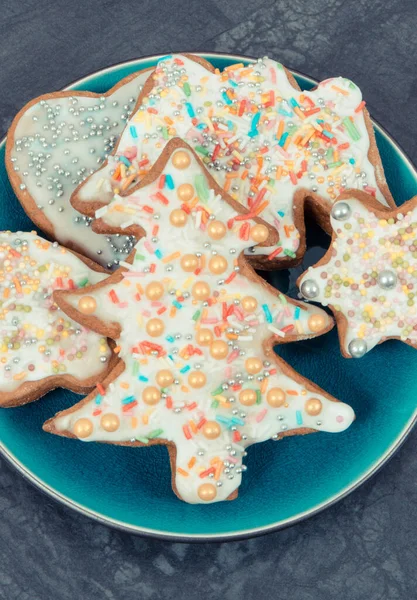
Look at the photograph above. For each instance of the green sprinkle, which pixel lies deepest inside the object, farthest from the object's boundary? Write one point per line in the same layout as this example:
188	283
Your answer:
144	440
201	187
187	89
155	433
165	133
217	391
83	282
258	397
333	165
289	253
196	315
139	256
351	129
215	404
202	150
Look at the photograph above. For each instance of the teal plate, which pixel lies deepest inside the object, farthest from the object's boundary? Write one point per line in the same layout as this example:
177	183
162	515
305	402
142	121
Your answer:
286	481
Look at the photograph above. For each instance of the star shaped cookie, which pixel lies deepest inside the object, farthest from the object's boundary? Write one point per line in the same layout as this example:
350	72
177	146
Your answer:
368	275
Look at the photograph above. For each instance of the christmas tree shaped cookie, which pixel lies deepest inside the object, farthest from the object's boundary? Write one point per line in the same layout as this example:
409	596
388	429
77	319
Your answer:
266	143
195	328
368	275
40	347
54	143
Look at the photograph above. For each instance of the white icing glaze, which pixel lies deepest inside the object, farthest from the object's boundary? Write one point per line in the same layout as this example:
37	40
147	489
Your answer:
206	115
36	339
365	247
59	142
181	411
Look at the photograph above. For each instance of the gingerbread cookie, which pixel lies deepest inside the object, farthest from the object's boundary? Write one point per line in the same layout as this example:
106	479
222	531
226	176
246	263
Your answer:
368	275
54	143
266	143
40	347
195	327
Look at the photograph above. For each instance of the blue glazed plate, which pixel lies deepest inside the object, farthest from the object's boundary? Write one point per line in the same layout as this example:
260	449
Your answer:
286	481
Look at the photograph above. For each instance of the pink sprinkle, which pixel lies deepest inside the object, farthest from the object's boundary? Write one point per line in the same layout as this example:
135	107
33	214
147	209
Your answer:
261	415
146	313
273	75
233	356
340	419
133	274
148	247
282	151
232	459
239	313
123	304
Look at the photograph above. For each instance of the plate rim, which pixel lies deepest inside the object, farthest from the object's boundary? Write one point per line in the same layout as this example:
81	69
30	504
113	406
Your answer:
239	534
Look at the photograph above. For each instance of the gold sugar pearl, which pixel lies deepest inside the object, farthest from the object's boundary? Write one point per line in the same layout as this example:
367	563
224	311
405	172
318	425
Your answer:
189	262
204	337
164	378
151	395
216	230
253	365
154	290
155	327
211	430
185	192
247	397
181	159
317	323
201	290
219	349
207	492
178	217
259	233
83	428
197	379
218	264
249	304
276	397
313	407
87	305
110	422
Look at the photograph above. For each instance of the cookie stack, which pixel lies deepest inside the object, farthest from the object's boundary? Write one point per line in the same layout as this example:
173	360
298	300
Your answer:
179	182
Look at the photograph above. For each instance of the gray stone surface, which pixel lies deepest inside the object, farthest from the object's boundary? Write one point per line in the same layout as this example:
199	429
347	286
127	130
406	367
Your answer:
364	547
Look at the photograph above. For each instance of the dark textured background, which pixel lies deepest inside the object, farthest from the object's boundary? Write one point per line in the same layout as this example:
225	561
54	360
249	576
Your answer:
365	547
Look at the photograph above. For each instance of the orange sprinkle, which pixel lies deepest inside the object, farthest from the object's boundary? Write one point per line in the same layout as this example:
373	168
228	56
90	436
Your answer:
182	472
6	292
292	392
191	462
360	106
280	129
170	257
17	285
338	89
134	422
117	349
145	419
299	113
234	67
218	471
128	181
193	426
